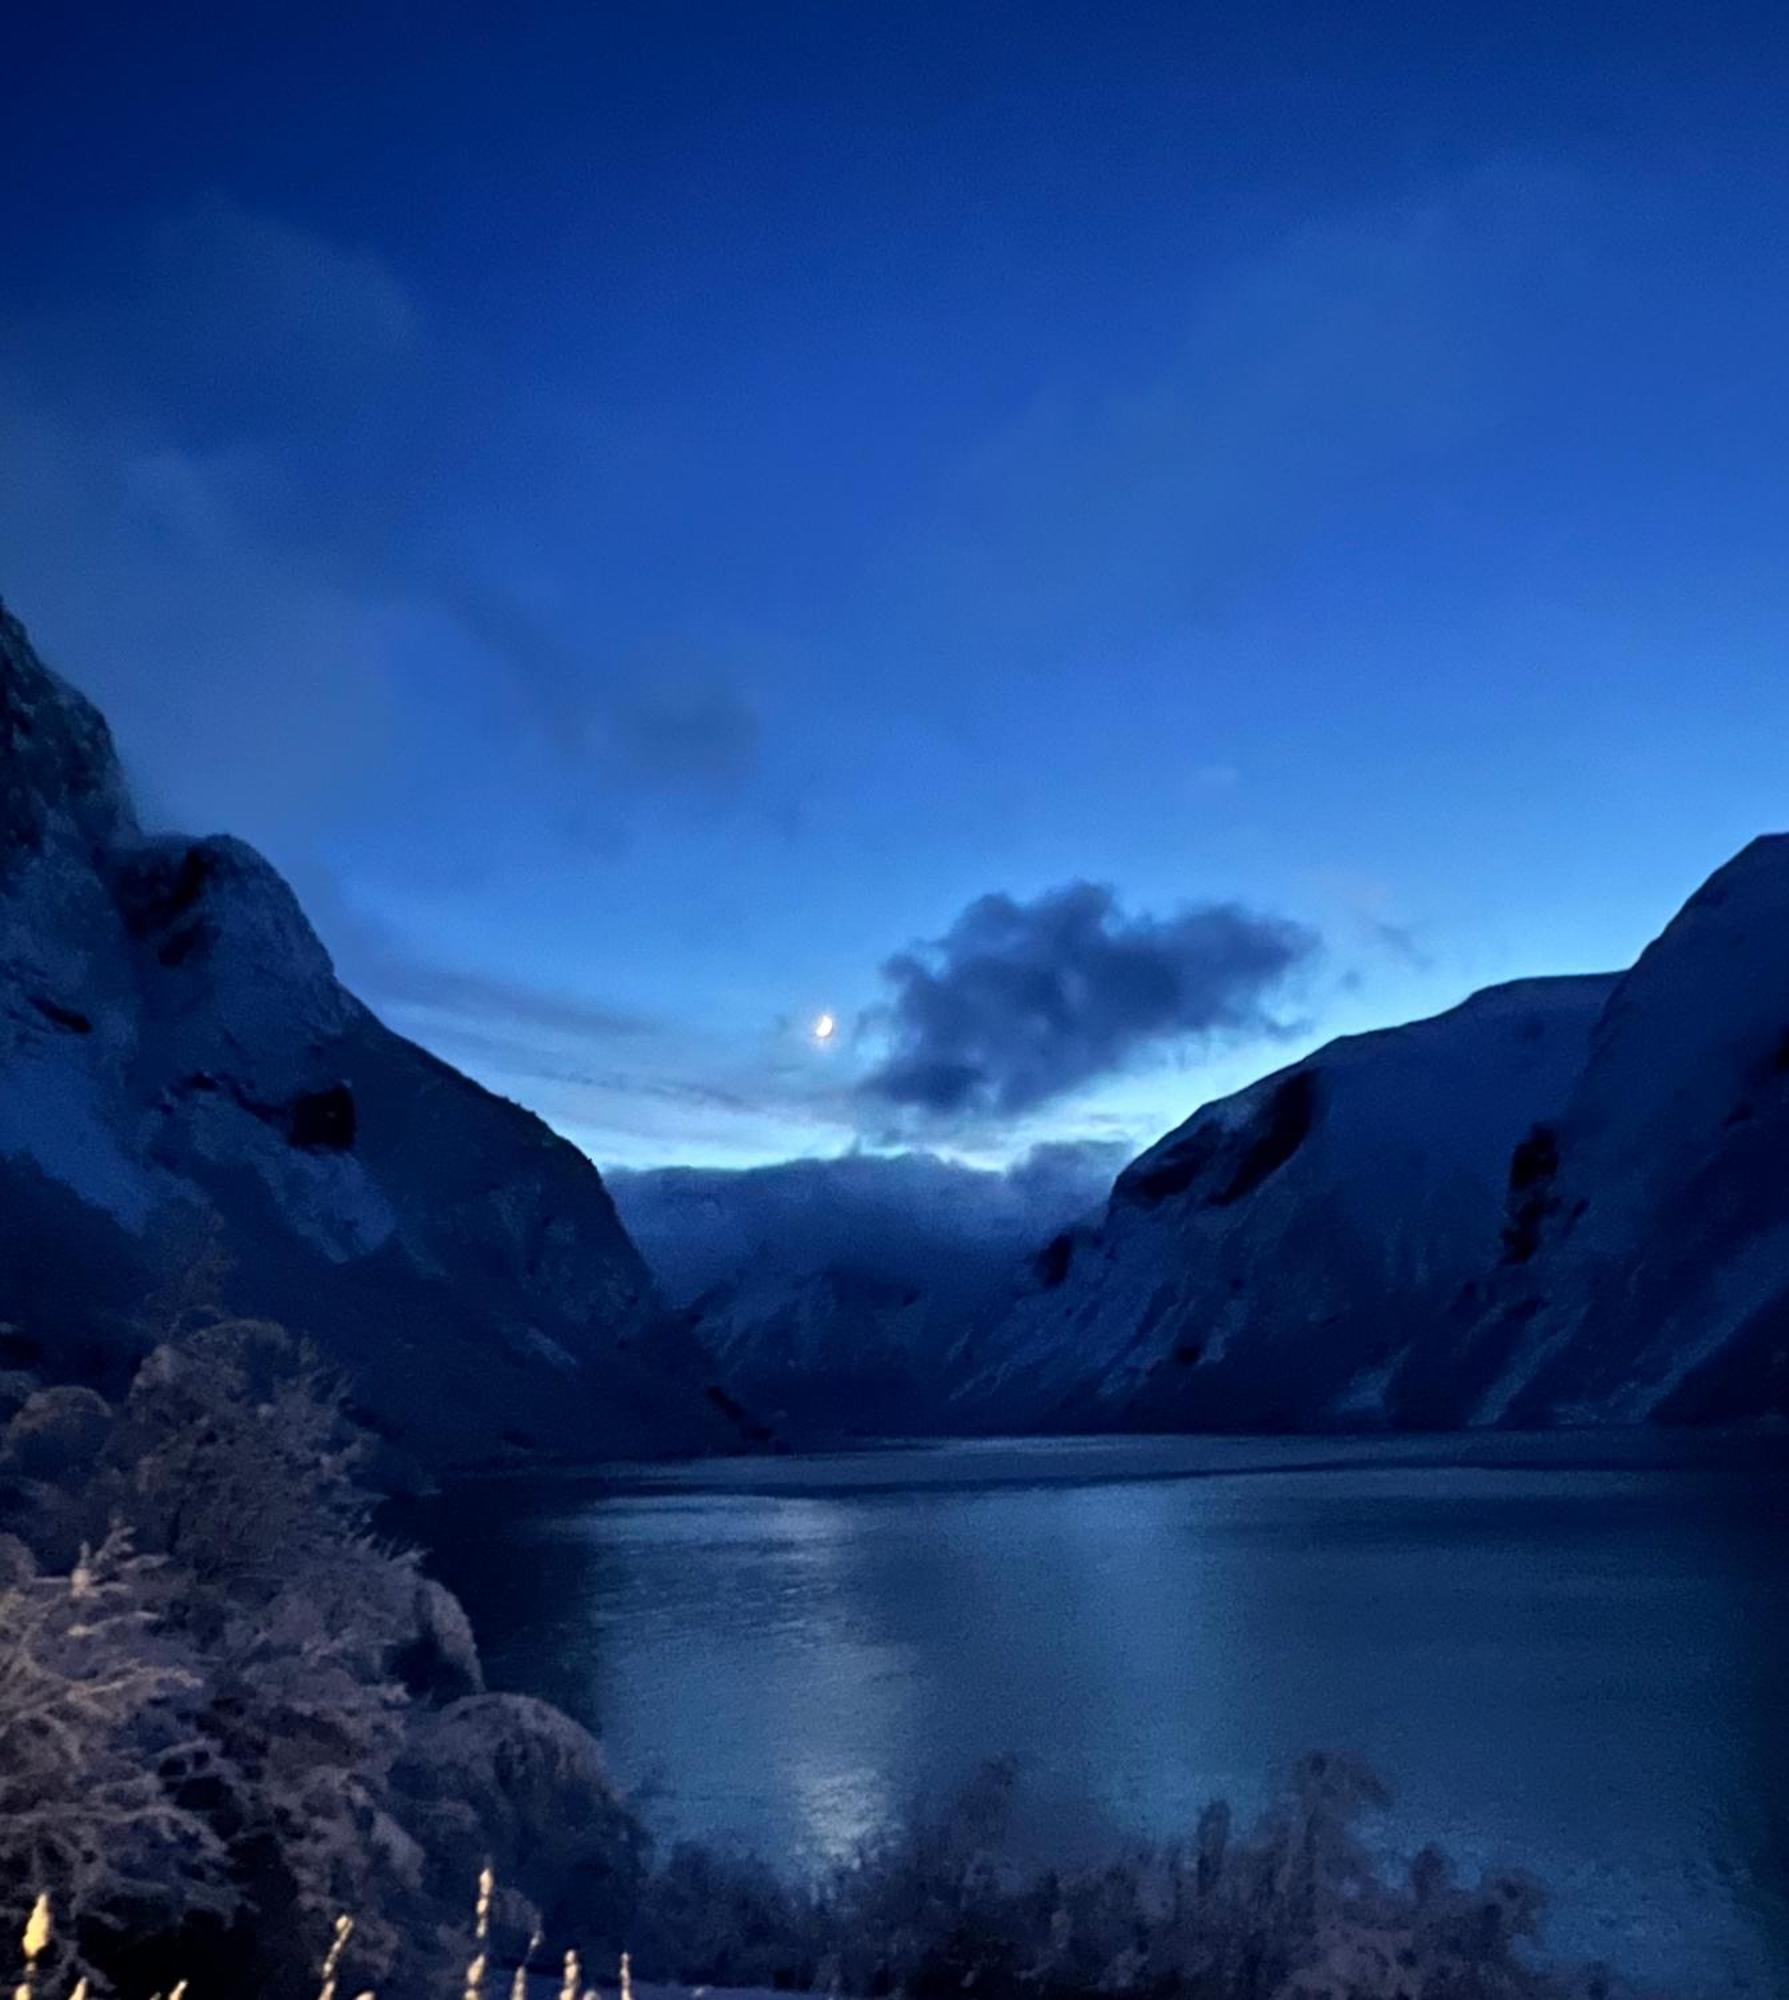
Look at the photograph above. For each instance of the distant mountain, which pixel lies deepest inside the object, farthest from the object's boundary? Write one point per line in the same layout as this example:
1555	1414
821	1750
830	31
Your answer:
1565	1201
829	1292
833	1353
182	1075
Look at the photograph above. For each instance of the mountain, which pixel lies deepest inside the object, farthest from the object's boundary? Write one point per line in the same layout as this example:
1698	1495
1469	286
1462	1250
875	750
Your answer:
1267	1264
829	1292
1645	1267
186	1087
827	1353
1565	1201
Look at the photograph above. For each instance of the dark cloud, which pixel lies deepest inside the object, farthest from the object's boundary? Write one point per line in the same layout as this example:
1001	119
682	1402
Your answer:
1019	1003
912	1218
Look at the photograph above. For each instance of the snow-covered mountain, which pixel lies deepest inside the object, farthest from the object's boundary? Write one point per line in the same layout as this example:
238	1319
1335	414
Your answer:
830	1292
1645	1271
835	1352
181	1073
1565	1201
1267	1263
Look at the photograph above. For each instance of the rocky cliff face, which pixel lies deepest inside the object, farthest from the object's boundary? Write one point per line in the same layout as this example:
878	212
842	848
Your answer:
181	1070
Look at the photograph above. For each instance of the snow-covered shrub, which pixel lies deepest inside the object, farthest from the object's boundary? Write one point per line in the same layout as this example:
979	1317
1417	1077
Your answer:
263	1614
1293	1908
308	1730
510	1780
55	1432
98	1739
731	1919
438	1659
239	1464
933	1900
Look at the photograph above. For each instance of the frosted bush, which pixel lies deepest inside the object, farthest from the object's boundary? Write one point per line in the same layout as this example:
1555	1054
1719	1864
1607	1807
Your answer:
97	1740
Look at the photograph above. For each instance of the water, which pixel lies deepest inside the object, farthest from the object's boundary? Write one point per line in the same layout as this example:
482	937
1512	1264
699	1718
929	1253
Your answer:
1572	1656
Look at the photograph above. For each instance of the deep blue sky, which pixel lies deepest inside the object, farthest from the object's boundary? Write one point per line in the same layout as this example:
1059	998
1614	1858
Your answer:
645	513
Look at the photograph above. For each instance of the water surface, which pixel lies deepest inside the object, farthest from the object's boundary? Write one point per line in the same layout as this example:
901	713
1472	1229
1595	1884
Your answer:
1568	1654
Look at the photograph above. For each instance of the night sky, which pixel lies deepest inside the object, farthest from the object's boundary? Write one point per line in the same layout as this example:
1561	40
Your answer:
1098	545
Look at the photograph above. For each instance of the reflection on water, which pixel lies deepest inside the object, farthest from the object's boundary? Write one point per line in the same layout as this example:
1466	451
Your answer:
1568	1655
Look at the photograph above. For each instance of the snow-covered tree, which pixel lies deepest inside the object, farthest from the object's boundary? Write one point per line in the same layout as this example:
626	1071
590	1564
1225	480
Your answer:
241	1462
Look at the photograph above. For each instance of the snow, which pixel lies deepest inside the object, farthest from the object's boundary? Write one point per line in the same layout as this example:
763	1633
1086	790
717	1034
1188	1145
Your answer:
1671	1146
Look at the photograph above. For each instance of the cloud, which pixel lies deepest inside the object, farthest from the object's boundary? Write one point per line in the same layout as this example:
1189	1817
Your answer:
289	312
1208	779
1057	1174
620	1083
1400	941
454	1006
276	277
178	410
1020	1003
1369	906
235	453
251	689
465	1001
911	1218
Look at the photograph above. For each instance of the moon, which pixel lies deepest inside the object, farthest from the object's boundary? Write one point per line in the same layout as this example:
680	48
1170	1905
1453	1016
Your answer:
825	1027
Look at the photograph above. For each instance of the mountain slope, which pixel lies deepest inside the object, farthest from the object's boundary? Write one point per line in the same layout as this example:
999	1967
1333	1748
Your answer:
1268	1264
1647	1275
1563	1202
178	1065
